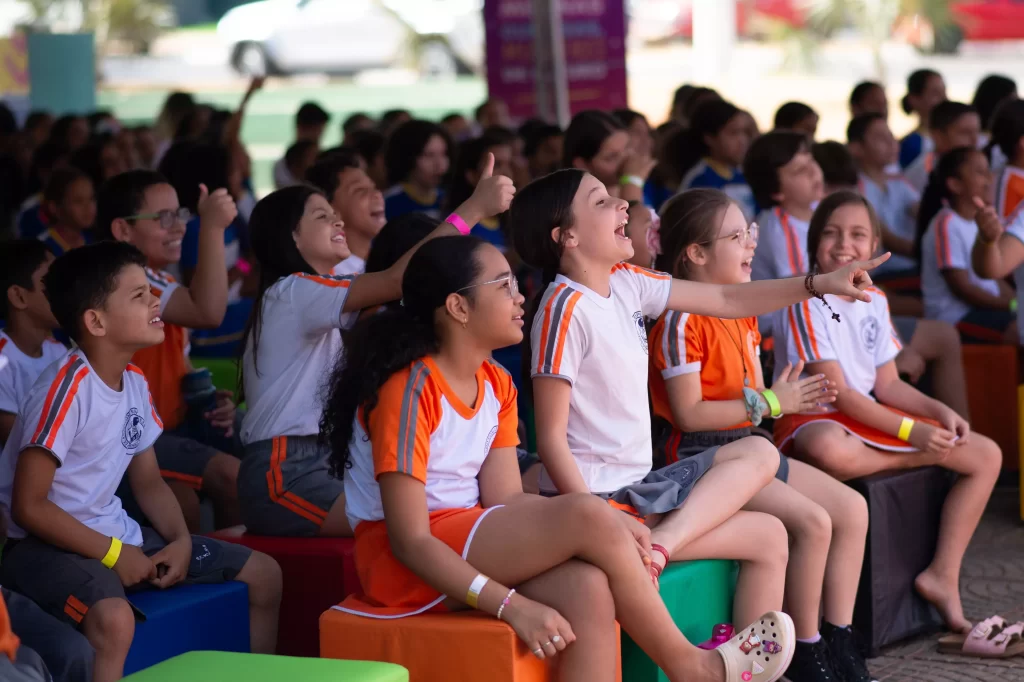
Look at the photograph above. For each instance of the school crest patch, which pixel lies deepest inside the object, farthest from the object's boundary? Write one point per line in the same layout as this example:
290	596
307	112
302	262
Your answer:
641	329
869	329
131	432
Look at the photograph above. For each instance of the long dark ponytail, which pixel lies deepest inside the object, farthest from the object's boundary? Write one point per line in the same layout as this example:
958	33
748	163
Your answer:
381	345
936	193
537	209
271	225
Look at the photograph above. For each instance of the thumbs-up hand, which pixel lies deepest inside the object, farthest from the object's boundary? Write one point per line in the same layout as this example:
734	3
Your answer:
990	225
493	193
216	211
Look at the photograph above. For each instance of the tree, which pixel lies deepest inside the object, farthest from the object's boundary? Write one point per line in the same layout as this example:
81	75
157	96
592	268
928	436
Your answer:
135	23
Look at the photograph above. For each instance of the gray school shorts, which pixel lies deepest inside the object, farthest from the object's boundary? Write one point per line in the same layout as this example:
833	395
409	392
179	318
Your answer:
285	486
67	585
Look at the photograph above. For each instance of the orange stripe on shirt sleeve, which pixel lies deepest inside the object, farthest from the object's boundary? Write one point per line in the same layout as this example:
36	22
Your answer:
810	328
48	404
563	330
546	327
327	281
65	406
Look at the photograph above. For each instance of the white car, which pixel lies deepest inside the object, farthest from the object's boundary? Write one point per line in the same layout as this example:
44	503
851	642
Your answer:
440	38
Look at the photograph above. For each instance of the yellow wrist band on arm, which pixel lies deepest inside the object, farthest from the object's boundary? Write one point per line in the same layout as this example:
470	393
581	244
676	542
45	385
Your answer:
113	554
475	588
905	428
773	402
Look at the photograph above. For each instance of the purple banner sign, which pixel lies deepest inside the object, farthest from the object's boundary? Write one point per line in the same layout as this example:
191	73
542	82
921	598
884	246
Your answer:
594	33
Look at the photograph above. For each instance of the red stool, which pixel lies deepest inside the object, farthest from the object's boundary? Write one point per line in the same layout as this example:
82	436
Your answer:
318	573
991	373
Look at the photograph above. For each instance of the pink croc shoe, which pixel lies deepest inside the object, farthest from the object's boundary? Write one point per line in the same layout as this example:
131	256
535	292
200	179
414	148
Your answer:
720	634
760	652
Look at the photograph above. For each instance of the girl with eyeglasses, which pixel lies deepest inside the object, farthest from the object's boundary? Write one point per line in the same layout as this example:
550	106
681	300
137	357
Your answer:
707	390
292	342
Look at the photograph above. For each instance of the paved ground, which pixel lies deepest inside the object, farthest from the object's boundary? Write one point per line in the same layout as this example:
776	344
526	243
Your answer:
992	582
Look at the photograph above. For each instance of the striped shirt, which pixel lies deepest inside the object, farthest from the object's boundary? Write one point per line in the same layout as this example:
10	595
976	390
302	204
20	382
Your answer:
599	346
1009	191
1015	228
420	427
781	251
864	340
93	432
946	245
300	340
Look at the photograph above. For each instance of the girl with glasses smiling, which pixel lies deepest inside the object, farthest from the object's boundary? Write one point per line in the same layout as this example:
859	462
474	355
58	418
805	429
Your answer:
707	390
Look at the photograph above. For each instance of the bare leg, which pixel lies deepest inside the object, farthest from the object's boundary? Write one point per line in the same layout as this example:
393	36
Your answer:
517	543
110	627
336	525
759	542
939	344
188	500
847	512
978	463
220	482
263	576
740	470
829	447
590	610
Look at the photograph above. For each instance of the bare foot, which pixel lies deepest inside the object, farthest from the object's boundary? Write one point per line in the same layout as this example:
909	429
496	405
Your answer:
946	598
710	668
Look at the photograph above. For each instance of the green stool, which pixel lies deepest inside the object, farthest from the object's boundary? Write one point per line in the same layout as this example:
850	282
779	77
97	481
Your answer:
223	370
219	666
698	594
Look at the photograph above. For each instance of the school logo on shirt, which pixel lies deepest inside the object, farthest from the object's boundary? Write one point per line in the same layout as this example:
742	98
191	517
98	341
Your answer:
641	329
131	432
869	329
490	439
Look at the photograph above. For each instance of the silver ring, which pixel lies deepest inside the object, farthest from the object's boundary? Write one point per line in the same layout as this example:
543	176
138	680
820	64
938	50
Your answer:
556	639
538	651
546	644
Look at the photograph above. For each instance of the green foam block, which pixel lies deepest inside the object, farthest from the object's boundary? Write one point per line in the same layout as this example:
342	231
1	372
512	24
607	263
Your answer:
219	666
698	595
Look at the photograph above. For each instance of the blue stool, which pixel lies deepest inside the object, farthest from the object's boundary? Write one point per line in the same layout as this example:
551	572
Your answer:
189	618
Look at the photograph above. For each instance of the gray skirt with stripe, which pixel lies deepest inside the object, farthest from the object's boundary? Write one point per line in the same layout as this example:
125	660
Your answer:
690	444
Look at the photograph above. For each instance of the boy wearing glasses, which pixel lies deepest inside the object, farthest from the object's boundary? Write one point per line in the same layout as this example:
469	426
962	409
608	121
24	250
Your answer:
140	207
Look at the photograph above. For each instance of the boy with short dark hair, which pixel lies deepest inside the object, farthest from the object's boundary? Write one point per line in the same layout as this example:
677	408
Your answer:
353	124
87	422
27	346
310	121
140	207
950	125
299	157
356	200
798	117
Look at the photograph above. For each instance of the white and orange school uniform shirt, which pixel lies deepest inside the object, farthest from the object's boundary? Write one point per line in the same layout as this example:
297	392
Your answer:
166	364
300	342
599	345
1015	227
895	202
421	428
918	172
18	372
781	251
946	245
719	350
1009	190
93	431
863	340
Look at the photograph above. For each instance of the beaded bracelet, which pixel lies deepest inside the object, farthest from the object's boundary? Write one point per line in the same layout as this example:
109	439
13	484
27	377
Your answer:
809	285
504	602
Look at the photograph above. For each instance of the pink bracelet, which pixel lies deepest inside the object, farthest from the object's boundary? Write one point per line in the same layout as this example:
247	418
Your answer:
504	602
243	266
456	221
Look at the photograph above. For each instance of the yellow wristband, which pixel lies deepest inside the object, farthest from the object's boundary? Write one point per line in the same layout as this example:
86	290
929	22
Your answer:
113	554
475	588
905	428
773	402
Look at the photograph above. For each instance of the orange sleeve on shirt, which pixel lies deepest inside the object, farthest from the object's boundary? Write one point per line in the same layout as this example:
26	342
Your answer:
508	415
8	640
694	332
400	425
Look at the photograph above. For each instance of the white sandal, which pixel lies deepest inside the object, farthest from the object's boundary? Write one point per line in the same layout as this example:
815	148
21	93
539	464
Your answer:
760	652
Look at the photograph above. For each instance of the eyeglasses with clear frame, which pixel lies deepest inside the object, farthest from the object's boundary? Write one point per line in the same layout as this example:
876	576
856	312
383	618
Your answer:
513	285
167	217
747	236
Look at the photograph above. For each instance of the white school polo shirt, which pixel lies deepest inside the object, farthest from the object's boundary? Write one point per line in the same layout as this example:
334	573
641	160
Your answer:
18	372
1015	227
895	202
599	345
93	432
946	245
300	342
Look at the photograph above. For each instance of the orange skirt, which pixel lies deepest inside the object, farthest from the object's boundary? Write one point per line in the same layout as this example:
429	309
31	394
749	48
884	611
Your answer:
390	589
788	426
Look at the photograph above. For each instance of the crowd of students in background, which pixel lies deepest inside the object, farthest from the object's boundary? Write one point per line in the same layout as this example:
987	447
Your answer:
381	353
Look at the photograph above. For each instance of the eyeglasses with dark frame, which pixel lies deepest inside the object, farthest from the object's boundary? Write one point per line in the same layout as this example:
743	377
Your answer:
167	217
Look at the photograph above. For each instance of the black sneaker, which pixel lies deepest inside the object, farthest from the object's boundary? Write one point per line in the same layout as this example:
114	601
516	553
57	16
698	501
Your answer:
812	663
847	658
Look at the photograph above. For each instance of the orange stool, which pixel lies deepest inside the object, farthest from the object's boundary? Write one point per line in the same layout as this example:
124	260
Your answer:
436	646
991	373
317	574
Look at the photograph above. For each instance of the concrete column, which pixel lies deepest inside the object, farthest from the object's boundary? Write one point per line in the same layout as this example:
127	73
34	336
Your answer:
714	35
552	82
